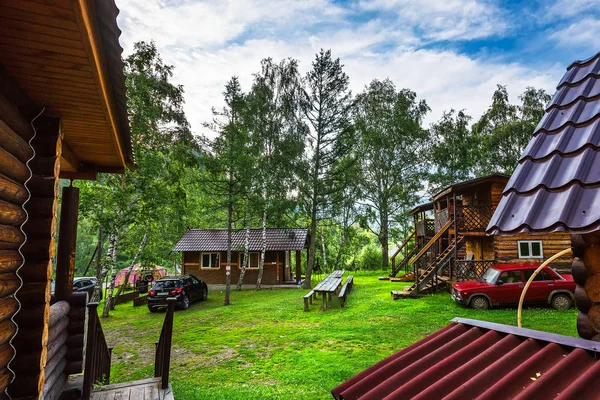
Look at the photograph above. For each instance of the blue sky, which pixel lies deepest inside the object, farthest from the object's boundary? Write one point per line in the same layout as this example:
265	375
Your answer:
451	52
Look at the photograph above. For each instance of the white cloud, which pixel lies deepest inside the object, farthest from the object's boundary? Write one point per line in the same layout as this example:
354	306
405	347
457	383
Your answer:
582	32
211	42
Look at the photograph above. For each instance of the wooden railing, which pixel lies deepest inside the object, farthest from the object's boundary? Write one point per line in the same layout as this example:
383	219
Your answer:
97	354
472	269
162	359
441	219
425	227
400	248
474	218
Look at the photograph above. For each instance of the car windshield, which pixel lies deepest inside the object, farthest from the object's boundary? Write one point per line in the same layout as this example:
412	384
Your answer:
491	275
162	285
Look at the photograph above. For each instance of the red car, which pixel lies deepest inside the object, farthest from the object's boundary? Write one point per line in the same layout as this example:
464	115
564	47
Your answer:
502	284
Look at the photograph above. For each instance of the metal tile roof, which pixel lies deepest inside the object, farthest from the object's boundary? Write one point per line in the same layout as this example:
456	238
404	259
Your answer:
278	239
556	186
473	359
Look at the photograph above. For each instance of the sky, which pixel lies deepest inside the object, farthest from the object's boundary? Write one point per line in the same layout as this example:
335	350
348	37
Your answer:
452	53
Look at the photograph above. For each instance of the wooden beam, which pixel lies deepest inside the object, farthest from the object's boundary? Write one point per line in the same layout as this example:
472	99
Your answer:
85	15
298	265
85	172
68	159
16	108
67	242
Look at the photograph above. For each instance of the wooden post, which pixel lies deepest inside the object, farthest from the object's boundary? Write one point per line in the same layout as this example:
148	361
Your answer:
166	362
455	238
277	269
67	243
88	371
298	266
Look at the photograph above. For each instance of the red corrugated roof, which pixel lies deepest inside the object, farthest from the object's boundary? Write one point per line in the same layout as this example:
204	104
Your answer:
471	359
556	186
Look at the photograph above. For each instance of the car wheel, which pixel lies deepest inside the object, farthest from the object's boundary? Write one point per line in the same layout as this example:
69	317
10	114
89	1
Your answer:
561	302
185	302
204	294
480	303
152	309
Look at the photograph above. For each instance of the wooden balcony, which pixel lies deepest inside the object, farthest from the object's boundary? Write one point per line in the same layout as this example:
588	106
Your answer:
469	219
425	228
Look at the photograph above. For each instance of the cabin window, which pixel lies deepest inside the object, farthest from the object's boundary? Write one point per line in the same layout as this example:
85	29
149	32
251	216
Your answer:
530	249
254	259
210	260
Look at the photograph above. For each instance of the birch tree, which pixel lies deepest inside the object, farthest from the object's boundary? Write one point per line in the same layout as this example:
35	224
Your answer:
326	108
392	145
277	134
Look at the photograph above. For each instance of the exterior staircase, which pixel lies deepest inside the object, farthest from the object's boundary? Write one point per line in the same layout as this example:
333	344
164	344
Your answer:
426	280
405	261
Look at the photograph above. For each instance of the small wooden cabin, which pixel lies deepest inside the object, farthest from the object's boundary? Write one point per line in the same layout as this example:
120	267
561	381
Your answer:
204	255
450	239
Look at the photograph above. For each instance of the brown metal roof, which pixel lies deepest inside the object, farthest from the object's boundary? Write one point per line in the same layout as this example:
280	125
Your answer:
473	359
422	207
65	55
556	186
278	239
461	186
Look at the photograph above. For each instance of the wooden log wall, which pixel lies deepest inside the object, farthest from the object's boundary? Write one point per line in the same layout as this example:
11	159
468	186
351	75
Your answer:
76	328
33	337
56	356
14	153
586	273
506	248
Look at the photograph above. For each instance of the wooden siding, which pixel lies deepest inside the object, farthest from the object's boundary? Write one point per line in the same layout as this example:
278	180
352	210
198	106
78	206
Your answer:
506	247
273	272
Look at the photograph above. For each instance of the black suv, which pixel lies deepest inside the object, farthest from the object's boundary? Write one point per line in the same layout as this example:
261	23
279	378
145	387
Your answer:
185	289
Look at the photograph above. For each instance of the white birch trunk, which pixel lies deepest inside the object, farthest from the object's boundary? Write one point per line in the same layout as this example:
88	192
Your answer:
245	260
111	258
261	263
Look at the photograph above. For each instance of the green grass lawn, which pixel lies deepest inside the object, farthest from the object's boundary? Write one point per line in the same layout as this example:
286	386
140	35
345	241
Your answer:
265	346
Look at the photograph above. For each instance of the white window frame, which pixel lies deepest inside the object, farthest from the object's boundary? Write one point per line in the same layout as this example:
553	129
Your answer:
210	266
529	243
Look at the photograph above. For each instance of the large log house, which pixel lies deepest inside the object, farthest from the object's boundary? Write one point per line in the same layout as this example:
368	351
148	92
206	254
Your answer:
63	114
450	241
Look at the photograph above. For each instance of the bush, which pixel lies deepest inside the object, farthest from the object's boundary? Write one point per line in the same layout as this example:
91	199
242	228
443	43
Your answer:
369	258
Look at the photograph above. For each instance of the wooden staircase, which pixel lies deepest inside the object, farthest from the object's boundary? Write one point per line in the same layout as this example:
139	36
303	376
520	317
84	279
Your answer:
404	262
425	281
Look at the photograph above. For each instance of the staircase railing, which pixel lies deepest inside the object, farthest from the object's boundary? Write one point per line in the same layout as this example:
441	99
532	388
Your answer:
162	359
399	249
97	354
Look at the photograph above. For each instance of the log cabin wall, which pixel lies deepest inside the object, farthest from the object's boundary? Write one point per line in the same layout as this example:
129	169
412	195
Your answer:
586	273
15	130
506	248
32	319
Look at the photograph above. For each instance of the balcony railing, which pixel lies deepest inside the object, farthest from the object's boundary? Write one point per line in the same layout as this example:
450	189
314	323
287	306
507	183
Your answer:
97	354
425	227
474	218
471	269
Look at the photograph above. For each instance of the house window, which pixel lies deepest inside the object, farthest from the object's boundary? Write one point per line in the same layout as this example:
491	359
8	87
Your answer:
253	262
530	249
210	260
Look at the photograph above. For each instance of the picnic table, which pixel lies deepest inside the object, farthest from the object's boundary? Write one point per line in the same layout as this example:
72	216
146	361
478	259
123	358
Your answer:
329	285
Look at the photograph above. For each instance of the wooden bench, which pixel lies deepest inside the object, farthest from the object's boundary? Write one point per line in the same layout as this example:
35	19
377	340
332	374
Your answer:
308	298
346	287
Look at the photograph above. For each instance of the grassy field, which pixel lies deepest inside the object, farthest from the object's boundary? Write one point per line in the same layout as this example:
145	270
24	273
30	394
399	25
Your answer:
265	346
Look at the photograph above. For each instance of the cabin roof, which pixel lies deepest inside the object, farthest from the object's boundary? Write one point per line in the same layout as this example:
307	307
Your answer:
65	56
556	186
461	186
472	359
422	207
278	239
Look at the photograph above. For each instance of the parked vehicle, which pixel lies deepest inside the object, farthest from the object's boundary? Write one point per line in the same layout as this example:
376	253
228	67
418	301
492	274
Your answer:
186	289
85	284
502	284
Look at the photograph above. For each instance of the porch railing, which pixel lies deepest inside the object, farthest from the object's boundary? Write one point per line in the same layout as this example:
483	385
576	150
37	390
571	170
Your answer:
425	227
441	218
162	359
474	218
471	269
97	354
